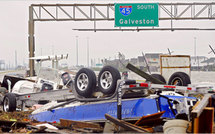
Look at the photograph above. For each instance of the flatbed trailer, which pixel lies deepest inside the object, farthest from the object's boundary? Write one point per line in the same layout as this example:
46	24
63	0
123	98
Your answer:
12	101
29	99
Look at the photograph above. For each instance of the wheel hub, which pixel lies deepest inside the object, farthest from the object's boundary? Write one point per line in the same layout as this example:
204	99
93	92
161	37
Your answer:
6	104
106	80
82	81
177	82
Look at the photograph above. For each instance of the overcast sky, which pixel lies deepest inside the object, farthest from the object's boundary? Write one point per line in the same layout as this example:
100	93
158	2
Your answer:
60	36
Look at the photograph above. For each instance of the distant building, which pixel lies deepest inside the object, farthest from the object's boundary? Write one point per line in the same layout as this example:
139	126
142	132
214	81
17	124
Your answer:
141	61
2	64
210	61
210	64
134	61
197	62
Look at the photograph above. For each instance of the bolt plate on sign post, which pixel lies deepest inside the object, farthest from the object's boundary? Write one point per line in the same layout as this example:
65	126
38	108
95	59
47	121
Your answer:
136	15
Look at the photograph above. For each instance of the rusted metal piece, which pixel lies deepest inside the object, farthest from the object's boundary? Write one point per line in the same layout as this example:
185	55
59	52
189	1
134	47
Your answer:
176	56
79	124
178	67
149	118
143	74
126	125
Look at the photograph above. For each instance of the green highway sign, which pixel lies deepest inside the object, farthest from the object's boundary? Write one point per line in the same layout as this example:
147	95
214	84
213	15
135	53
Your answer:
136	15
99	65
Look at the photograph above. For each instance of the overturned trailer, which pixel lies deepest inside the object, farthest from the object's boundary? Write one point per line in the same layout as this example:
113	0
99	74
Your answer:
124	99
128	108
128	102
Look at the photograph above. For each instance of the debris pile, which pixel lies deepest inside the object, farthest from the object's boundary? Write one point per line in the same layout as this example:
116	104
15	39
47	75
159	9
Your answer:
19	122
21	116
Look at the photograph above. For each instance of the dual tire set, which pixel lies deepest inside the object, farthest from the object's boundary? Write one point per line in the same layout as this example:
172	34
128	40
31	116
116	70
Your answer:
86	82
177	78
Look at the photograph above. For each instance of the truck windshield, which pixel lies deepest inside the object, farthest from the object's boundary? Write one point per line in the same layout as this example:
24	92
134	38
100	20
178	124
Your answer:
49	74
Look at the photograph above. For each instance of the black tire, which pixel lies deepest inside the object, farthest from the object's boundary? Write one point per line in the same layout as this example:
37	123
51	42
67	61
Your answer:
159	77
85	82
179	79
9	102
105	86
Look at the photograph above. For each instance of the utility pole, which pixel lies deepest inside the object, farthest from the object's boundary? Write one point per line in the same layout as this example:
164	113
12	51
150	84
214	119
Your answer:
195	48
15	59
87	51
77	50
41	51
52	49
31	44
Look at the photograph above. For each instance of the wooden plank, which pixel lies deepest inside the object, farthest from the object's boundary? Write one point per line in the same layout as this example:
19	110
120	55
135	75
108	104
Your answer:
200	107
143	74
196	125
83	130
126	125
148	117
197	103
209	113
206	120
204	123
135	126
78	124
210	102
151	122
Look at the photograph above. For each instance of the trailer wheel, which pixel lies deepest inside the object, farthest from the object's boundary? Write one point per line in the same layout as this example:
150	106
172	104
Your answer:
179	79
107	79
85	82
9	102
159	77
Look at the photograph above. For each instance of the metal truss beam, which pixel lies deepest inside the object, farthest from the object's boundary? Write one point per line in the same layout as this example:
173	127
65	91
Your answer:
150	29
99	12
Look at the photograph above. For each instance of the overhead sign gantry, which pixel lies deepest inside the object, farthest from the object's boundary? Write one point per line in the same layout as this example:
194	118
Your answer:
105	12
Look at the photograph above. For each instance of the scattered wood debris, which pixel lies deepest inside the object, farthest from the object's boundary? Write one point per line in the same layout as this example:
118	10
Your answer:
81	126
126	125
15	116
150	120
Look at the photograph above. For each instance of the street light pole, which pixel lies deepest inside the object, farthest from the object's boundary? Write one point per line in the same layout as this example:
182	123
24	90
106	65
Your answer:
195	48
87	51
77	50
15	59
